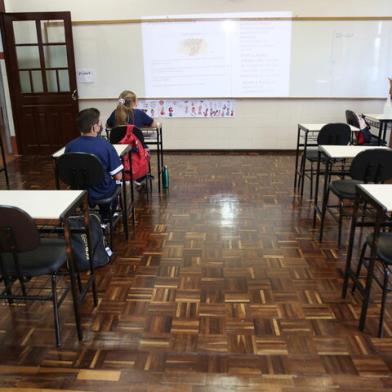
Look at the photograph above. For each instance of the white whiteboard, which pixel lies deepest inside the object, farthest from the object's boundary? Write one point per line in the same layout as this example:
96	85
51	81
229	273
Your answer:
327	59
341	59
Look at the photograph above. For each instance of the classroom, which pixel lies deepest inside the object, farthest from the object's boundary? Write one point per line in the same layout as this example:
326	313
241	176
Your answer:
228	166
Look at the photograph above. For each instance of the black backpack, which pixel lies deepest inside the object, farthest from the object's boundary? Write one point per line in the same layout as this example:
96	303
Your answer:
79	243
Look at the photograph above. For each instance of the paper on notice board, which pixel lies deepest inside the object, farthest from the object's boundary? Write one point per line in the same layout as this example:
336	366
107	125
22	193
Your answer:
86	75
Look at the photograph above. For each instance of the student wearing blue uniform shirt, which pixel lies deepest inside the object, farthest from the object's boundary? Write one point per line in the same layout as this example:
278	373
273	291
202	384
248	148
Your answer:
89	125
126	108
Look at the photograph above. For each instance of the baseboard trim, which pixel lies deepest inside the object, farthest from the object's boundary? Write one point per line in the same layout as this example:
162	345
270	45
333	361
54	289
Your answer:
234	152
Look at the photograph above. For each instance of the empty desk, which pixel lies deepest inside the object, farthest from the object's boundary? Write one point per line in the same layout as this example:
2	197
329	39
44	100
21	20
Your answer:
154	137
378	196
56	206
332	153
307	137
381	122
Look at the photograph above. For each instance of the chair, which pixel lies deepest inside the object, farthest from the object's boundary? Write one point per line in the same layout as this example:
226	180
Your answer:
330	134
384	257
369	166
24	255
81	171
115	137
352	119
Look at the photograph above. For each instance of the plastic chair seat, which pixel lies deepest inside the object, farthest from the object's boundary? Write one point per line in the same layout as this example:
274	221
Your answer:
384	246
344	189
312	155
48	258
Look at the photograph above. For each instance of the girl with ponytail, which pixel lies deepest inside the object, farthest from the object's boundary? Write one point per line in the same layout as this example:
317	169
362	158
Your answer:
126	113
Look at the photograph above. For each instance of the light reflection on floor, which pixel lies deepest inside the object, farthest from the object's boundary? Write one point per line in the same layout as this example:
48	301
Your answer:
227	207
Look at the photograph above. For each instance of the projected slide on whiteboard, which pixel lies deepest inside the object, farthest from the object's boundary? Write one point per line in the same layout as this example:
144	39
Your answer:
226	58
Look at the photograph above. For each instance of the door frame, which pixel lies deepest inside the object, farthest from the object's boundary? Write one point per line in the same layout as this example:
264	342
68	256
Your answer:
13	73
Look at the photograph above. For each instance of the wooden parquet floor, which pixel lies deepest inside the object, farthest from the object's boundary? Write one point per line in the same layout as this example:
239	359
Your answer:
223	286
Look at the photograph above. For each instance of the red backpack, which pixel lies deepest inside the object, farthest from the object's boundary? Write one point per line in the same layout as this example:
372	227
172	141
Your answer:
140	156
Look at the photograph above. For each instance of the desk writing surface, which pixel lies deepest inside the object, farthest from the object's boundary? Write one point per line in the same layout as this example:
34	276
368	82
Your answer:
58	153
346	151
317	127
378	117
41	204
121	149
380	193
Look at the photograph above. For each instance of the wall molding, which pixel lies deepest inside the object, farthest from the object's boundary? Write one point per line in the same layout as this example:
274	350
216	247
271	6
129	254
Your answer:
283	19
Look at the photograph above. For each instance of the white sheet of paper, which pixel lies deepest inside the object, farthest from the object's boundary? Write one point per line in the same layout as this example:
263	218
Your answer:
86	75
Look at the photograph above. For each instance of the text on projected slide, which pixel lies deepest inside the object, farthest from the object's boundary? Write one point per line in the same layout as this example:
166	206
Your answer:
217	58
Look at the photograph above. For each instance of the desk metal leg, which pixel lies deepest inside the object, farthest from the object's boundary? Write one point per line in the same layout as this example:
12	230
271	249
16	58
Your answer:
159	157
124	190
131	191
303	165
316	191
72	275
384	134
369	278
125	207
347	269
86	218
390	135
161	139
296	159
328	167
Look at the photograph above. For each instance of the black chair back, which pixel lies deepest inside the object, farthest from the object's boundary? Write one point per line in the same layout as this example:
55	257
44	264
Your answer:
18	231
80	170
352	118
334	134
374	165
117	134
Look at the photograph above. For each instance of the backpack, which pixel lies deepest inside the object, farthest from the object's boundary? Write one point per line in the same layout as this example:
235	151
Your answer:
364	135
79	243
140	156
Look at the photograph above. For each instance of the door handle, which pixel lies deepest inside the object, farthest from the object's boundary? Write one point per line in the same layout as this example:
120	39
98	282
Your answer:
75	95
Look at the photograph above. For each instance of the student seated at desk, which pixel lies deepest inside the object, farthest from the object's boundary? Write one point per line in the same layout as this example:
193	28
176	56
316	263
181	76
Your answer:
126	113
90	126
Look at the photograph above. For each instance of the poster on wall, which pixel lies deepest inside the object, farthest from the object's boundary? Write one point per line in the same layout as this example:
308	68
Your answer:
202	108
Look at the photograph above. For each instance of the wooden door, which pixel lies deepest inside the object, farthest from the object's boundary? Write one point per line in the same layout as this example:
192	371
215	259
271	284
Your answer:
40	63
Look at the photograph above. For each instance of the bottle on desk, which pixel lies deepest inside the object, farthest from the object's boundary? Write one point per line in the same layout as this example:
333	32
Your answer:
165	177
388	107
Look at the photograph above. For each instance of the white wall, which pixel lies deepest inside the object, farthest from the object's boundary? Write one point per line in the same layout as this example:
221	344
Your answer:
125	9
259	123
